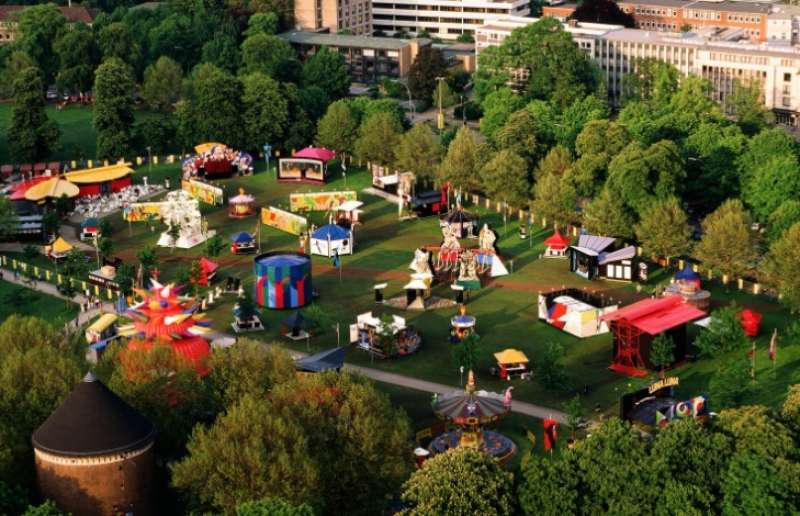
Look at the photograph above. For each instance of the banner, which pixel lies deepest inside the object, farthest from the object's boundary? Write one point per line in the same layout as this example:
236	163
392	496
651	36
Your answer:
320	201
142	211
202	191
283	220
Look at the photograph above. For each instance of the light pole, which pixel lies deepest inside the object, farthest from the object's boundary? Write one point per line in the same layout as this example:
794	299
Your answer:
440	116
410	102
149	160
463	111
267	152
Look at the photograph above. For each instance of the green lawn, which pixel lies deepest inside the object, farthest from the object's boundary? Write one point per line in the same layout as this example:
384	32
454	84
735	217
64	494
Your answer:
506	312
22	300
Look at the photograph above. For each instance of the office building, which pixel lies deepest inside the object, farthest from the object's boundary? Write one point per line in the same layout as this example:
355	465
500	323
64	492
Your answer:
350	16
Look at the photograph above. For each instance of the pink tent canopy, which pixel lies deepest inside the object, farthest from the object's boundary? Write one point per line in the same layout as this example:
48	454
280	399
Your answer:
320	153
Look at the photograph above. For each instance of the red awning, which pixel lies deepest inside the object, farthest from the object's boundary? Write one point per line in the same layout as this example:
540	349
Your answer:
18	192
208	266
320	153
658	315
557	241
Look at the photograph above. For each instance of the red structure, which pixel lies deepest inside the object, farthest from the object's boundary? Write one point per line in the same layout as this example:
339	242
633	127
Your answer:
165	318
556	244
751	322
635	326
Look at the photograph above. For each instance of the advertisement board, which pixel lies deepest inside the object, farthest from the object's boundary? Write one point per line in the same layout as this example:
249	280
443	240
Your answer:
320	201
283	220
203	192
142	211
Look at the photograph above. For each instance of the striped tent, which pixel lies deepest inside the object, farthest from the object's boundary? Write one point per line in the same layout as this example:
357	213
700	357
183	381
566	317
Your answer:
283	280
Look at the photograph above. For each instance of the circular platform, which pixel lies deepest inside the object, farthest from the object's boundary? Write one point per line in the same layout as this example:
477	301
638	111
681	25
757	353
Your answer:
495	444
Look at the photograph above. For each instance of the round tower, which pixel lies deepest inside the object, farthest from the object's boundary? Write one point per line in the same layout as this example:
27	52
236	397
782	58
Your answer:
94	454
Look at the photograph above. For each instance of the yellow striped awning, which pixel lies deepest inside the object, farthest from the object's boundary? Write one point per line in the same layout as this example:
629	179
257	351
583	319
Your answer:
511	356
202	148
99	174
60	246
53	188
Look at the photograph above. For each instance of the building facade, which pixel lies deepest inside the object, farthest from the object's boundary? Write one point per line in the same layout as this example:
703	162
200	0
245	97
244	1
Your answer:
445	19
350	16
9	14
756	21
367	58
775	67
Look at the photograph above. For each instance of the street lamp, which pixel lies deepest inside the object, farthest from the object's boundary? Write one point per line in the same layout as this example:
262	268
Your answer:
410	101
267	151
440	117
149	160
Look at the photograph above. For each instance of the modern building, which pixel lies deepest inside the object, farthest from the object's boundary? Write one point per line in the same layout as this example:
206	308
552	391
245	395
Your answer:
757	21
707	54
367	58
9	14
445	19
94	454
354	16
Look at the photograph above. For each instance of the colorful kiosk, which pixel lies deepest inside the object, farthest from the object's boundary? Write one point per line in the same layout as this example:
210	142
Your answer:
556	245
90	228
511	363
594	257
283	280
471	411
59	249
243	242
332	239
687	284
242	205
309	165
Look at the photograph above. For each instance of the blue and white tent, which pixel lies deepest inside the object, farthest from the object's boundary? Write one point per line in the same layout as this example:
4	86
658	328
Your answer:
331	239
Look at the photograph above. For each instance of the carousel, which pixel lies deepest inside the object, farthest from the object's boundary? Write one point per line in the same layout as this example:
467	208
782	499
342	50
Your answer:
242	205
462	325
468	265
460	223
471	410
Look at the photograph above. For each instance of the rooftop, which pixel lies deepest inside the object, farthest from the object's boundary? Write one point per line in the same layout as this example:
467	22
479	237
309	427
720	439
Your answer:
72	14
339	40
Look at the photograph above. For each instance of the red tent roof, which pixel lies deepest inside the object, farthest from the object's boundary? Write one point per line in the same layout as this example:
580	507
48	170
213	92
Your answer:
557	241
208	266
658	315
320	153
18	192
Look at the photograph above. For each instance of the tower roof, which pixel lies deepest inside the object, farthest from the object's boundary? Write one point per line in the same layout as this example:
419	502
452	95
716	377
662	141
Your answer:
93	421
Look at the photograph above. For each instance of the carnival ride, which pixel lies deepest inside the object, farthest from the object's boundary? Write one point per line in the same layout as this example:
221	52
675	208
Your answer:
185	227
216	160
384	338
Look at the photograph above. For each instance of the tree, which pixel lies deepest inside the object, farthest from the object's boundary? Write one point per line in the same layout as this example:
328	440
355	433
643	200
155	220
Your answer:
443	95
8	218
548	368
550	485
745	103
266	111
752	485
601	137
215	245
607	214
162	83
662	352
262	23
497	108
730	382
664	230
465	353
557	161
651	81
77	57
157	132
266	54
576	115
427	66
772	182
460	482
106	247
723	334
790	410
711	167
602	11
554	198
505	177
781	266
768	144
147	259
326	69
47	508
38	28
338	129
32	134
574	410
785	216
113	115
377	140
460	164
273	507
222	51
217	92
754	429
419	152
519	135
116	41
728	245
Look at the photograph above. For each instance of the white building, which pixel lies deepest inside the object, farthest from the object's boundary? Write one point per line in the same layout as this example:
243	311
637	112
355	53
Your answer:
776	66
446	19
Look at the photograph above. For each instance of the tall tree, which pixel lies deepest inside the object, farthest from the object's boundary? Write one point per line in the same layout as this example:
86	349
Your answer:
338	129
607	214
113	104
326	69
772	182
32	134
555	199
652	81
724	333
378	138
519	135
77	57
782	266
602	11
711	169
266	111
460	482
728	245
664	230
427	66
178	36
745	103
39	27
460	164
273	507
505	177
222	51
214	91
785	216
497	108
419	152
116	40
266	54
557	161
162	83
662	352
262	23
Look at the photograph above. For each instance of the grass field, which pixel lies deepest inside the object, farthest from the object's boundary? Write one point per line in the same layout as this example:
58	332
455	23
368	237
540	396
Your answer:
506	311
21	300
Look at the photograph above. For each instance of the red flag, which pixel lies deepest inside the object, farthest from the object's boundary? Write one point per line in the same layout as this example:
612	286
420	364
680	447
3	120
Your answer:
773	345
550	433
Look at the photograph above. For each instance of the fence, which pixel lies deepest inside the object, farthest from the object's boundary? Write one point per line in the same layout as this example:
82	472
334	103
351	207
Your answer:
58	279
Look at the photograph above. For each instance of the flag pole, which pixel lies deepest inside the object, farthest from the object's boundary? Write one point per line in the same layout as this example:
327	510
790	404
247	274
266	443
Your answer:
753	370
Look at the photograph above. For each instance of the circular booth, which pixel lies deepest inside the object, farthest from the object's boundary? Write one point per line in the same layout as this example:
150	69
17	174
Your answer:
283	280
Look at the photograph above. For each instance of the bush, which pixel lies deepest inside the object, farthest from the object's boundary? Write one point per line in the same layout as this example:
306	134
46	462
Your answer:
471	111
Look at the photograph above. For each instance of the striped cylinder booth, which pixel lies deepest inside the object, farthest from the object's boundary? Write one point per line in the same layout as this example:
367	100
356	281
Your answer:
283	280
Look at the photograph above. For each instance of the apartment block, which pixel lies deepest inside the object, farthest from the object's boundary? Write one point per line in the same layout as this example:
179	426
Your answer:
9	14
353	16
445	19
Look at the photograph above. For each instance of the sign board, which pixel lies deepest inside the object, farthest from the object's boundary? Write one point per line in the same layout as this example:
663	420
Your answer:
142	211
202	191
320	201
283	220
670	381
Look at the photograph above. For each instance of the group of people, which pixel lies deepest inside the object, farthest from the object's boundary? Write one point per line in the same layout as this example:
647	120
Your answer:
219	160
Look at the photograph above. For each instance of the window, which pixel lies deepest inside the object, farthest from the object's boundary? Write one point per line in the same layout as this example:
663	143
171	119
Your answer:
787	77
